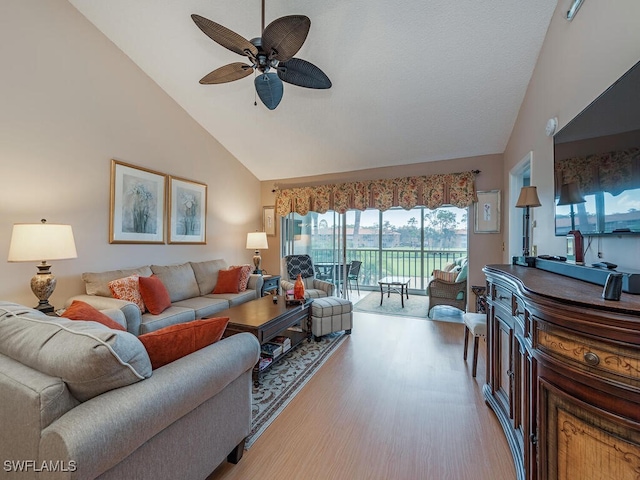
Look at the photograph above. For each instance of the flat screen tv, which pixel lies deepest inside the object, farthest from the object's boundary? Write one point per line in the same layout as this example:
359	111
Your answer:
597	154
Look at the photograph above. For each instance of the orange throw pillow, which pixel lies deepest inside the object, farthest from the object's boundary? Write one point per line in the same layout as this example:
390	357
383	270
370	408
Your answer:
228	281
128	288
154	294
245	274
79	310
176	341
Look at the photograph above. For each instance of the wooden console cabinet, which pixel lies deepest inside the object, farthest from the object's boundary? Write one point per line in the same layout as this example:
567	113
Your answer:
563	375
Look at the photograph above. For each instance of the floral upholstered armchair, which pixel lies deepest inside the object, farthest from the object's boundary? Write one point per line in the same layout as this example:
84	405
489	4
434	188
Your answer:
292	265
449	286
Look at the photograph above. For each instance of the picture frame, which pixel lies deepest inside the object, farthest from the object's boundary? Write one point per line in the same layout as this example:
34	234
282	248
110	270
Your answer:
269	220
137	204
487	212
187	211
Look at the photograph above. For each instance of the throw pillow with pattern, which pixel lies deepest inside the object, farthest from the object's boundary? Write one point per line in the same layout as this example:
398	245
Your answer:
128	288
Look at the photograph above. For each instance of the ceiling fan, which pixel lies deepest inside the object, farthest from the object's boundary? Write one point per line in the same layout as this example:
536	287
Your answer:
275	49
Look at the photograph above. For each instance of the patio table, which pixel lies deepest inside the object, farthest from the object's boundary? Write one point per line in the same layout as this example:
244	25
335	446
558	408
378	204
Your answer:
395	284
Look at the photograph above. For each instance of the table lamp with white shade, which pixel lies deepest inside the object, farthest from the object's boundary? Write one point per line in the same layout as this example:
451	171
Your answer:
32	242
257	241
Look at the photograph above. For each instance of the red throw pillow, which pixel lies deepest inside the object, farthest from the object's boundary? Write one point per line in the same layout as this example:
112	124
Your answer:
79	310
176	341
228	280
245	274
154	294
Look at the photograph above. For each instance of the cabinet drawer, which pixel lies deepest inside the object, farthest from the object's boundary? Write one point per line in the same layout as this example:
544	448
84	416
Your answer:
605	359
501	295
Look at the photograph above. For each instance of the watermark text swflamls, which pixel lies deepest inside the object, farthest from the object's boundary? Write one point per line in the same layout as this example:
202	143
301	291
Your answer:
43	466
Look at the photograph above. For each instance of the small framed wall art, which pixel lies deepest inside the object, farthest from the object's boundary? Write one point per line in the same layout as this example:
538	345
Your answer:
269	220
137	207
487	212
187	211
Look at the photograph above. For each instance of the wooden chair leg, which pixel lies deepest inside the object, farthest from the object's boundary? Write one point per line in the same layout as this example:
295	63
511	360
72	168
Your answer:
466	341
475	356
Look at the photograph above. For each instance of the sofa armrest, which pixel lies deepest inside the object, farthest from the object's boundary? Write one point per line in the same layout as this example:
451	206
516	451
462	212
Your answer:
327	287
255	283
130	310
286	285
102	432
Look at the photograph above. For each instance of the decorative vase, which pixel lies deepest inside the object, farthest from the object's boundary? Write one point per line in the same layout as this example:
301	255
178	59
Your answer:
298	288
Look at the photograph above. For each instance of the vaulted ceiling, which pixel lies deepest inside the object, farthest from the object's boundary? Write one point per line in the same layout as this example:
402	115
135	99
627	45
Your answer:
413	81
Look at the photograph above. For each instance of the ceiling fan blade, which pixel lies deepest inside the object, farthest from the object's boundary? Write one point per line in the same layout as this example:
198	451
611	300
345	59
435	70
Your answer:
270	89
284	36
227	73
225	37
303	74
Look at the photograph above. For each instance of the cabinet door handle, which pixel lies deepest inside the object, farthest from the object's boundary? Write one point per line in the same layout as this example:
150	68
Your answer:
518	312
533	438
500	297
591	358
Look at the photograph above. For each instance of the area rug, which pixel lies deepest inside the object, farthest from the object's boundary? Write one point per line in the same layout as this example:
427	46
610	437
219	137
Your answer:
415	306
280	384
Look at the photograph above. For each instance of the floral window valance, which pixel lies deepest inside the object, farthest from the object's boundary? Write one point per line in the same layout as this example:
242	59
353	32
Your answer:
612	172
432	191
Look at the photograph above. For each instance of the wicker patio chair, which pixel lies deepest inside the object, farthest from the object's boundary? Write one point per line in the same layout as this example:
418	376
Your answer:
443	289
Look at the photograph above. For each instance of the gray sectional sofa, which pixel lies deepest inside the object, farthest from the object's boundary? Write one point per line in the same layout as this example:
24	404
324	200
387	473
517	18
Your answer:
189	285
80	401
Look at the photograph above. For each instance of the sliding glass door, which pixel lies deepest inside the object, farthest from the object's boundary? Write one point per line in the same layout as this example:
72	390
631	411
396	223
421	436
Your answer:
397	242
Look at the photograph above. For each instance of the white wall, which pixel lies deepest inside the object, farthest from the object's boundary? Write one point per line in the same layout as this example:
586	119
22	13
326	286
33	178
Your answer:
70	101
578	61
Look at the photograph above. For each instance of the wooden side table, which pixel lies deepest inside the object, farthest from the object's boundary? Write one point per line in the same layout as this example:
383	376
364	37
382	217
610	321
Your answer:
270	285
481	298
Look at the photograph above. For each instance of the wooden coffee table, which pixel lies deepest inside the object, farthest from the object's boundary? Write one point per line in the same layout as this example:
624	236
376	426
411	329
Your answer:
267	320
395	284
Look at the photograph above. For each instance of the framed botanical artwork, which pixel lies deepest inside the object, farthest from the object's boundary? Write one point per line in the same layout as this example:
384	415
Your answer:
187	211
137	207
269	220
487	212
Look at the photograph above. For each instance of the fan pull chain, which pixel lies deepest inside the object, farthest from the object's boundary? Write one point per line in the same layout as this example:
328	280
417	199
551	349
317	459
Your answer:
255	93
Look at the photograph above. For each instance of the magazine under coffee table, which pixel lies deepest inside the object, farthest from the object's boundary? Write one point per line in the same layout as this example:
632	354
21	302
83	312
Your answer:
267	320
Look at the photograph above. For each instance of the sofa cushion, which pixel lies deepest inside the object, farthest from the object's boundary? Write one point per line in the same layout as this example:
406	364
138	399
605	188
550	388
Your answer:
179	280
228	281
245	274
205	306
207	274
154	294
172	315
79	310
90	358
128	288
98	283
174	342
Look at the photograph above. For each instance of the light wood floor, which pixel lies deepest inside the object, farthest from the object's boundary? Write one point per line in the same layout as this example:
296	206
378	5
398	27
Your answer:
395	402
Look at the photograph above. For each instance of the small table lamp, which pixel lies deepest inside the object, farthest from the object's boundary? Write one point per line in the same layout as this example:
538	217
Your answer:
257	241
528	198
42	241
570	195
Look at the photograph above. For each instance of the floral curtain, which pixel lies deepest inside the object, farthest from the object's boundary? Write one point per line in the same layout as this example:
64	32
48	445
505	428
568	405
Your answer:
432	191
613	172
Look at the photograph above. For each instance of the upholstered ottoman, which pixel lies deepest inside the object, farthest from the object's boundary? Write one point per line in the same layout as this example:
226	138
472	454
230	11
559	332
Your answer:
331	314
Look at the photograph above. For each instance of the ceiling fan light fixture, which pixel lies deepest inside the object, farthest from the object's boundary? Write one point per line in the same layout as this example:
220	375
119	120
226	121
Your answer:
275	49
